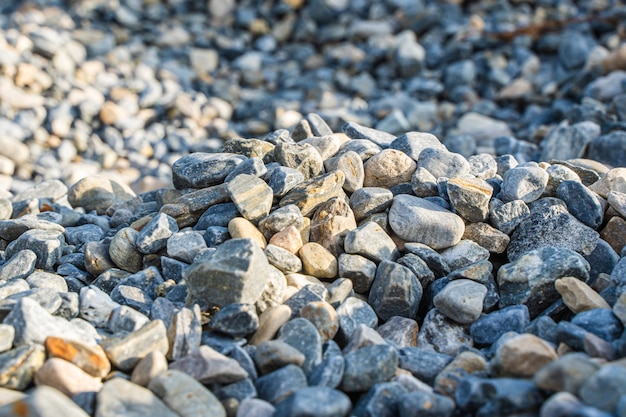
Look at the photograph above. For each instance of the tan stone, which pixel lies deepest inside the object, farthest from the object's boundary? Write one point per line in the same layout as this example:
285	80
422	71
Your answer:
310	194
242	228
464	363
487	236
613	180
318	261
269	322
388	168
111	113
300	281
615	233
66	377
324	318
147	368
524	355
579	296
331	222
90	359
289	238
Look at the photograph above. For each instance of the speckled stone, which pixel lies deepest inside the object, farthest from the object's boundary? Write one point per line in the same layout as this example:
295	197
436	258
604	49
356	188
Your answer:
470	198
566	373
461	300
400	331
523	355
368	366
487	236
199	170
324	318
388	168
352	312
581	203
310	194
395	291
371	241
489	327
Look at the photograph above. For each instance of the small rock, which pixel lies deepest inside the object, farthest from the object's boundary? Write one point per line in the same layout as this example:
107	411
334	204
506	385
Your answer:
318	401
66	377
578	296
317	261
207	366
200	170
98	193
368	366
149	367
324	318
44	401
360	270
461	300
525	354
252	196
388	168
489	327
280	384
18	366
124	353
153	237
443	163
470	198
395	291
272	355
310	194
91	359
121	397
566	373
371	241
604	388
525	183
235	320
487	236
400	331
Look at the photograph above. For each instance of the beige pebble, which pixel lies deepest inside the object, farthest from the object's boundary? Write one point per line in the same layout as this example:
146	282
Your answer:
324	318
318	261
289	292
66	377
289	238
269	322
148	367
524	355
242	228
464	363
579	296
300	281
388	168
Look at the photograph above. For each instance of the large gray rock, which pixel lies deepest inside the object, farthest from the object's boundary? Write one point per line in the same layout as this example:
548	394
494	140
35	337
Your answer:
235	273
415	219
530	278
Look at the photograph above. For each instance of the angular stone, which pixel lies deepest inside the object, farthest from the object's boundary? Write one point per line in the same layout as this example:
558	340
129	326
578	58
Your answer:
470	198
352	312
288	239
525	183
395	291
47	245
463	364
442	163
208	366
551	226
388	168
184	246
487	236
613	180
184	333
14	228
523	355
371	241
19	266
360	270
497	395
235	320
200	170
310	194
351	164
461	300
125	352
33	324
579	296
330	223
614	233
303	335
368	366
124	252
186	396
400	331
255	407
317	261
530	279
280	384
148	367
324	318
381	400
96	306
443	335
7	334
307	292
581	203
252	196
283	179
303	157
415	219
508	216
424	364
121	397
153	237
272	355
489	327
91	359
66	377
18	366
283	259
370	200
463	254
98	193
357	131
235	273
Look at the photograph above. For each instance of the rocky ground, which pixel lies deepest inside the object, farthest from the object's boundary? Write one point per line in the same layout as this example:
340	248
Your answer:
320	207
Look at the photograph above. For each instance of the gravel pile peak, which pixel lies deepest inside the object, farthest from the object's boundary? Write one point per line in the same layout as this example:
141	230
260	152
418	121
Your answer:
328	208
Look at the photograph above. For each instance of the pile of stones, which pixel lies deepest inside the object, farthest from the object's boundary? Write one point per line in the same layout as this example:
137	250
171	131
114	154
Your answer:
320	273
127	87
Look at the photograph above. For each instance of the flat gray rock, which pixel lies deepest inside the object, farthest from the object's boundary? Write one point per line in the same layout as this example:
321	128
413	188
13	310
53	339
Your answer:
200	170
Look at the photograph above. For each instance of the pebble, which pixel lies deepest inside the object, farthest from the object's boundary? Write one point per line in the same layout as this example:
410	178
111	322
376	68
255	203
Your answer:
461	300
442	334
235	320
523	355
488	328
395	291
66	377
566	373
149	367
317	261
470	198
207	366
525	183
418	220
581	203
387	168
125	352
280	384
319	401
381	400
252	196
578	296
424	364
368	366
443	163
91	359
604	388
370	241
119	396
45	401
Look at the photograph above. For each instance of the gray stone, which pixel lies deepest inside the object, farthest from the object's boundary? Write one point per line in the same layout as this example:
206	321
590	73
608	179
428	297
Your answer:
461	300
567	373
413	143
18	366
423	183
530	279
508	216
126	319
370	200
200	170
395	291
283	179
304	336
126	351
305	295
568	141
235	320
274	354
252	196
184	333
443	163
280	384
609	148
414	219
435	262
483	166
557	174
331	222
581	203
302	157
124	252
98	193
254	407
604	388
463	254
470	198
368	366
357	131
252	166
425	404
352	312
381	400
235	273
489	327
47	245
525	183
418	267
185	246
12	229
97	258
443	335
19	266
283	259
185	395
208	366
424	364
360	270
399	331
121	397
217	215
153	237
318	401
372	242
44	401
551	226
